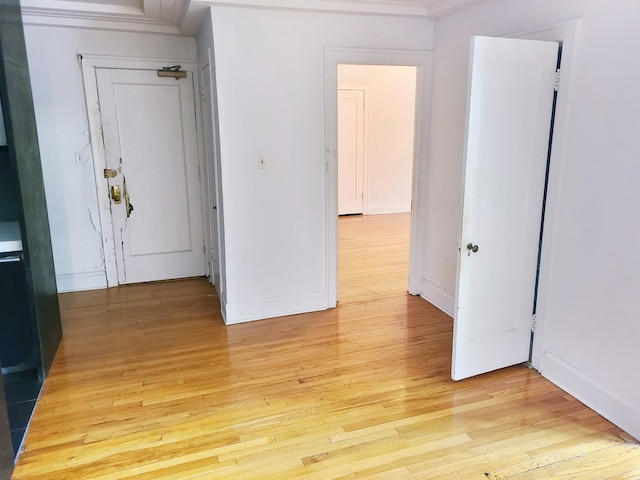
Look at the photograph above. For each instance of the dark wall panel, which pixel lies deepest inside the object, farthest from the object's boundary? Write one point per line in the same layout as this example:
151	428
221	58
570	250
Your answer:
24	155
6	448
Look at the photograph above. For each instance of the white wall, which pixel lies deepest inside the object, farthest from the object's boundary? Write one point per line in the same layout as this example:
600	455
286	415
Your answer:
390	109
61	116
588	301
269	67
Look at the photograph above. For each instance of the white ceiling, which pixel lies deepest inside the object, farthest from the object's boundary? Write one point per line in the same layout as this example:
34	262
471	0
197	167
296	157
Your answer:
183	16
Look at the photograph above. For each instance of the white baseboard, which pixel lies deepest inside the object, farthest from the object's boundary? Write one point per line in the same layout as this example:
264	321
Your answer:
597	397
74	282
438	297
241	312
385	209
223	306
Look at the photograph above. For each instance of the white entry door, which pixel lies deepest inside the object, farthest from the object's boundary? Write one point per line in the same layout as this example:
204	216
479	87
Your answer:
149	130
510	106
350	151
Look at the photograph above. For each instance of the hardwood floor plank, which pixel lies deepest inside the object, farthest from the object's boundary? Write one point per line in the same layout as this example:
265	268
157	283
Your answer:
150	383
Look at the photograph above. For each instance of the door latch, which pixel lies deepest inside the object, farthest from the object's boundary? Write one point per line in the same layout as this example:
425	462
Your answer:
116	194
110	173
471	248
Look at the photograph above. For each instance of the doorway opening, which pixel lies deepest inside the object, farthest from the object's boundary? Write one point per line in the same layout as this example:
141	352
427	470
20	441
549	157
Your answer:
420	61
376	143
140	244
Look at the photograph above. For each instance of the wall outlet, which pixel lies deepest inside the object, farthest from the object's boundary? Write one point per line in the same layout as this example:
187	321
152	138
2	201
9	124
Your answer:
262	161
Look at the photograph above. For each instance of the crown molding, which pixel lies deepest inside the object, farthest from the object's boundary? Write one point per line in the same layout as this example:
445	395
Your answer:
184	17
96	16
445	7
412	8
377	7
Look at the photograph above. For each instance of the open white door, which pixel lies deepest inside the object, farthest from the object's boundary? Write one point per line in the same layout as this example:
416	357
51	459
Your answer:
511	92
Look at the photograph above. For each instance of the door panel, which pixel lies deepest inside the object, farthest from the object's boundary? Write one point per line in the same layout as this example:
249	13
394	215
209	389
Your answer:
510	105
212	181
350	151
150	142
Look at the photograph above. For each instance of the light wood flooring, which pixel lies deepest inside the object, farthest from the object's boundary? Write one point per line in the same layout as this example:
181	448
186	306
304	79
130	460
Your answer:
149	383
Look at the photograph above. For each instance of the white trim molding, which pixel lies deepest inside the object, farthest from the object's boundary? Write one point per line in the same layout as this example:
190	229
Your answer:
105	16
176	17
438	297
591	393
405	8
396	8
74	282
241	312
354	56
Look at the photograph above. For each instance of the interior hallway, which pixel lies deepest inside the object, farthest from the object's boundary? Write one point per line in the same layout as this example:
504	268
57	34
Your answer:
149	383
373	256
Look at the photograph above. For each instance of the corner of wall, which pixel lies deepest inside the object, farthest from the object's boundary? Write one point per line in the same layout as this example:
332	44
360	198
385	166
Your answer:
438	297
594	395
248	311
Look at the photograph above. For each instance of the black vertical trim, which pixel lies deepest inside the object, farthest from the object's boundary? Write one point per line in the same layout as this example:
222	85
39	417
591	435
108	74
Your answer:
544	197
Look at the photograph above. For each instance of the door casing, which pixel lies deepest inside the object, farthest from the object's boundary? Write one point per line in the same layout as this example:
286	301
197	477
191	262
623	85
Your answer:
567	33
89	65
422	61
213	217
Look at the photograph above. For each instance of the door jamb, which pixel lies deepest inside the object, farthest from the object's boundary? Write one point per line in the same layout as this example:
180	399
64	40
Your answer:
212	189
422	61
89	64
208	185
567	33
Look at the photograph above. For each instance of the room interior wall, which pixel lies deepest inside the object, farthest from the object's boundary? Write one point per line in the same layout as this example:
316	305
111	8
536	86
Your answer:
270	80
63	131
589	274
390	110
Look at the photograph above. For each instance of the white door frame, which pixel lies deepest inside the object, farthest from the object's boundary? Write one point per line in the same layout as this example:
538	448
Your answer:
353	56
212	180
89	65
209	172
567	33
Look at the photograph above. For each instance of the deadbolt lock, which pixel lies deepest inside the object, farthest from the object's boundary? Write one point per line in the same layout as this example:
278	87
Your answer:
116	194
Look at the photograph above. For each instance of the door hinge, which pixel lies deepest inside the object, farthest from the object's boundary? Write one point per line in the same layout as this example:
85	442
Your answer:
533	323
557	84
